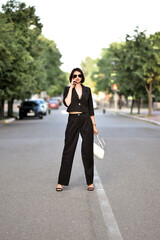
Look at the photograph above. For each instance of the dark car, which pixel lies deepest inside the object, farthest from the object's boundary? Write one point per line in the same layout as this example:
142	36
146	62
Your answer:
30	108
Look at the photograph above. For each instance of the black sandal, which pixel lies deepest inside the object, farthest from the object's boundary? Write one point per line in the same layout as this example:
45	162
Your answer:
90	188
58	189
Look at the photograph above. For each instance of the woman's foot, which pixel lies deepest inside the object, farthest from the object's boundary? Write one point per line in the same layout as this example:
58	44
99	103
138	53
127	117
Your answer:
90	187
59	188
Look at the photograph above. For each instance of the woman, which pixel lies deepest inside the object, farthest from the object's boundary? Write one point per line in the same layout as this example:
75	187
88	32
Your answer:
78	100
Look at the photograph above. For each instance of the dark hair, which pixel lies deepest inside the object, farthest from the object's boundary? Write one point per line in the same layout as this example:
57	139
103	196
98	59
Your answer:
78	70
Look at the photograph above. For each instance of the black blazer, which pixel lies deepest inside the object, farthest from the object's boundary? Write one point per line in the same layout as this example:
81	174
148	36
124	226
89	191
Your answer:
83	104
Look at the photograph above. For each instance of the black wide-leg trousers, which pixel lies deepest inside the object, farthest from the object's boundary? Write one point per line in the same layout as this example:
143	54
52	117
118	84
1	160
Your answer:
77	124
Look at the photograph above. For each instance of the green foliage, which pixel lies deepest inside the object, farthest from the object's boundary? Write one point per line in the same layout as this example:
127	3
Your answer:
145	60
105	77
49	76
88	68
134	65
17	63
28	61
126	59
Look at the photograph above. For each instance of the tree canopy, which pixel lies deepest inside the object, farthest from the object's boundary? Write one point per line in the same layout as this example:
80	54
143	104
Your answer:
134	65
28	61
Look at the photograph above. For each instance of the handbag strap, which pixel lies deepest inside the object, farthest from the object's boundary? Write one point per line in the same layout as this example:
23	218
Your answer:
101	141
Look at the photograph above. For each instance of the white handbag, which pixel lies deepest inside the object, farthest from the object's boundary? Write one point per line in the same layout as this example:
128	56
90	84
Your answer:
99	147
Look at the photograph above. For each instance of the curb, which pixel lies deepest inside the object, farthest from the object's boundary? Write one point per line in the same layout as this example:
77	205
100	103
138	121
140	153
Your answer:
139	118
6	121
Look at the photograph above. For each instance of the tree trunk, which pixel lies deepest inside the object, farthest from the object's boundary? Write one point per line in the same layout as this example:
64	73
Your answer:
10	108
139	105
120	102
150	100
1	109
132	105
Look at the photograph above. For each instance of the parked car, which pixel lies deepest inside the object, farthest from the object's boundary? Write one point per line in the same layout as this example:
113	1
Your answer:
44	105
95	104
59	99
31	108
53	104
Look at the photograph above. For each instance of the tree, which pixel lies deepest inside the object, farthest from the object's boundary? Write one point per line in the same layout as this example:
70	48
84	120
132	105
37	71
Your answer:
134	65
105	76
145	63
17	74
49	77
28	61
151	68
5	55
89	66
128	84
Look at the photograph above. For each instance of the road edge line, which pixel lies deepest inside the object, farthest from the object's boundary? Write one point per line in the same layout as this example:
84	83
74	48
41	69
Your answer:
108	216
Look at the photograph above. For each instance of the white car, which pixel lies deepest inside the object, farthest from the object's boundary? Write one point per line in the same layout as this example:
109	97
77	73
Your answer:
95	104
44	105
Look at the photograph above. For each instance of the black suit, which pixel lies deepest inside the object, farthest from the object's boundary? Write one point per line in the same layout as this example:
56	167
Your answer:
84	104
78	123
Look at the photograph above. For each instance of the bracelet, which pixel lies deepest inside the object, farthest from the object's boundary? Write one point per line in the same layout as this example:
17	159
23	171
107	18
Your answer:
94	124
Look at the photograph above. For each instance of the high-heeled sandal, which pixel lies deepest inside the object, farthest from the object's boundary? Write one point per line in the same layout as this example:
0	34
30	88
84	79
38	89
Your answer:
58	189
90	188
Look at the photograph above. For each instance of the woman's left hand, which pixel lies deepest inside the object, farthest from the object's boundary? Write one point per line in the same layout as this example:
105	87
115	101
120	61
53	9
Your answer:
95	130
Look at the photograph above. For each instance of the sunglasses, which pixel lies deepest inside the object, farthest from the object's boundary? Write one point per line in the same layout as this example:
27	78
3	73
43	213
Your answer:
79	75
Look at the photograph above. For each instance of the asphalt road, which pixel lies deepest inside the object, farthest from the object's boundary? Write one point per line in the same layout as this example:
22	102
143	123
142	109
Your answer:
31	209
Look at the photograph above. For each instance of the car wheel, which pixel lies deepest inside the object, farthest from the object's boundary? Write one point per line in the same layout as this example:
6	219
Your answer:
41	117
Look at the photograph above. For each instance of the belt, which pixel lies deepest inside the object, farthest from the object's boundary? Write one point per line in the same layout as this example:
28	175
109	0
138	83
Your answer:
77	114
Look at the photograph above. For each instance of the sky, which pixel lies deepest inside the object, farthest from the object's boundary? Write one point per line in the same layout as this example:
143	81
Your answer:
81	28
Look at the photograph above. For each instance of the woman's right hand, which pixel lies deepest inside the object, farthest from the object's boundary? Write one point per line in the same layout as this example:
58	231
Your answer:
95	130
73	83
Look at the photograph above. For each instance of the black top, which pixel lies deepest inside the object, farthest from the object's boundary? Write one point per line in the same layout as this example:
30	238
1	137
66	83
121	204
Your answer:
83	104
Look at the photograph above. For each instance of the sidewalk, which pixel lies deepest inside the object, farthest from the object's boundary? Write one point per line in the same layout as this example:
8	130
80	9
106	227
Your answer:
155	118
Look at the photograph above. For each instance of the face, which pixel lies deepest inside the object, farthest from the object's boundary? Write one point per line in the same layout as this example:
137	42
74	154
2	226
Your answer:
77	77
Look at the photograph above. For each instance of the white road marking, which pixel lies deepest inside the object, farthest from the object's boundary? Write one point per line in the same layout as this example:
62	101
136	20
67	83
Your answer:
109	219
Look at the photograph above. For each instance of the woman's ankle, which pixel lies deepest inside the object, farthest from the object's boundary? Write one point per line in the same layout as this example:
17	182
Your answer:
90	185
